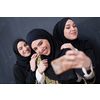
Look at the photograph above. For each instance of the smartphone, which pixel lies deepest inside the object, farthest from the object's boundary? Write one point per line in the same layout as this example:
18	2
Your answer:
58	67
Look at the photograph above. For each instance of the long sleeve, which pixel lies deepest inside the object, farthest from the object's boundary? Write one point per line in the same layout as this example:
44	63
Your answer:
31	78
21	77
90	75
40	78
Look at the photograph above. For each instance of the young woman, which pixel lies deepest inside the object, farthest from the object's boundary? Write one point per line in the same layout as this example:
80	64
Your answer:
66	32
25	67
45	45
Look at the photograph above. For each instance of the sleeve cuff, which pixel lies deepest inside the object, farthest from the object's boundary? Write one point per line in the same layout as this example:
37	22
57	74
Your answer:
90	75
40	78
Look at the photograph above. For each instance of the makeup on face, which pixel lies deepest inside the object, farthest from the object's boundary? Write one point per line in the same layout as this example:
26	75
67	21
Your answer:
41	46
24	49
70	30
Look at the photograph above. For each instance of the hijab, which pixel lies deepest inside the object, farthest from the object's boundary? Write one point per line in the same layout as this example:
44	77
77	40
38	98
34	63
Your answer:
58	33
55	53
21	61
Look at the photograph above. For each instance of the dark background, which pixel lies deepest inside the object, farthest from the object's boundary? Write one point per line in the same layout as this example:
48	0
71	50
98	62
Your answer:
12	28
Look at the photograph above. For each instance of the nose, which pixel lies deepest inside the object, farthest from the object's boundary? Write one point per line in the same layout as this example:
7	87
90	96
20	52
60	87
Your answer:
40	50
24	48
72	28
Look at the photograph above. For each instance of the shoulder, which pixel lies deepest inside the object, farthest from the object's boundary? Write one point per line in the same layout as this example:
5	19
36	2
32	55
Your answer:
17	69
86	43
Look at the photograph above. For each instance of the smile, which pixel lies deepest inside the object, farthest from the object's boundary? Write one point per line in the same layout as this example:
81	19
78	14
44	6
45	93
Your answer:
26	52
45	51
74	33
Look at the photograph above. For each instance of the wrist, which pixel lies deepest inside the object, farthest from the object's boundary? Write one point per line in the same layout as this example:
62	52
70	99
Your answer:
88	67
32	70
40	72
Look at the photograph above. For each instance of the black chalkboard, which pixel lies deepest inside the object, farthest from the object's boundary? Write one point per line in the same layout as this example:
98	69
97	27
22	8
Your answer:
12	28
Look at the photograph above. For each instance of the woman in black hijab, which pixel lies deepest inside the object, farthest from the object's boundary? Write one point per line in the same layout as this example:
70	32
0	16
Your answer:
65	32
23	74
44	44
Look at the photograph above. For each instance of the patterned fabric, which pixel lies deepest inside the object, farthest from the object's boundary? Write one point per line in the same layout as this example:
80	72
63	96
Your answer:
47	80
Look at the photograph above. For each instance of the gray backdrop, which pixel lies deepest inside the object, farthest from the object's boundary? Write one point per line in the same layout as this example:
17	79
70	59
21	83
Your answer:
12	28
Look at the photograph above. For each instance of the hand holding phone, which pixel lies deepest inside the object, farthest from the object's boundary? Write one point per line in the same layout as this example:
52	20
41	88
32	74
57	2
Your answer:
58	67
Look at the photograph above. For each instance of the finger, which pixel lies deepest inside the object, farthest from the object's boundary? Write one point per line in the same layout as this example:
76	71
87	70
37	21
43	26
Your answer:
65	46
45	60
37	55
70	57
33	55
71	52
46	64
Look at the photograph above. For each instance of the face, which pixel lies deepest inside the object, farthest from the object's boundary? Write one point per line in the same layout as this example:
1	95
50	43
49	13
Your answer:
24	49
70	30
41	46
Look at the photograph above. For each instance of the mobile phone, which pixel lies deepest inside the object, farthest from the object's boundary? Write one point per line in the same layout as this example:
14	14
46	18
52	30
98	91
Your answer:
58	67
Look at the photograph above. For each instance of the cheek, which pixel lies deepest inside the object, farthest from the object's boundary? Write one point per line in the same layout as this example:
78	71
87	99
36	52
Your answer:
49	47
77	31
21	53
66	33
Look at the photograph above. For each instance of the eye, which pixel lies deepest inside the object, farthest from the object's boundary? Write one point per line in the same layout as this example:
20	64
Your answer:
40	43
20	48
25	44
74	25
67	27
34	49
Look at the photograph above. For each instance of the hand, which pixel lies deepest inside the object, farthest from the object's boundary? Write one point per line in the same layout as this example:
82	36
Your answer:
77	59
43	66
33	61
35	56
67	45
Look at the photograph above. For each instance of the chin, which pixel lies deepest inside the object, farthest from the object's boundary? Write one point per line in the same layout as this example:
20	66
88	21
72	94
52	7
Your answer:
28	55
74	38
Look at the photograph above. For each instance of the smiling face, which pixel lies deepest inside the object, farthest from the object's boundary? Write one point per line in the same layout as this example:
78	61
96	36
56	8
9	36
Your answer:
24	49
41	46
70	30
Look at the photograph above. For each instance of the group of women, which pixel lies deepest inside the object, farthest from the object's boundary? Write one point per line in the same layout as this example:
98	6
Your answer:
34	56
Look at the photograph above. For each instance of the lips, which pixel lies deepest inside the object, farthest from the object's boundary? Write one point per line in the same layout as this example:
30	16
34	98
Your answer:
74	33
45	51
26	52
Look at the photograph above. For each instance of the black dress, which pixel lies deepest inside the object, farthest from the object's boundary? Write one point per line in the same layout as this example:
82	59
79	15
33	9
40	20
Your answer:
21	70
23	76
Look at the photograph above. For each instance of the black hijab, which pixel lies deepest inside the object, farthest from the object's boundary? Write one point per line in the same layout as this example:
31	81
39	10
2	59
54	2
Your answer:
55	53
58	33
21	61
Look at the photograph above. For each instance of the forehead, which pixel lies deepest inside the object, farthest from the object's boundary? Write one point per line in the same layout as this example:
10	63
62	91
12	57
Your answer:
70	21
21	43
35	42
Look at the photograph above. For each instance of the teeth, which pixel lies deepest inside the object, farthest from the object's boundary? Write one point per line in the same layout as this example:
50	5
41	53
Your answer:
45	51
27	52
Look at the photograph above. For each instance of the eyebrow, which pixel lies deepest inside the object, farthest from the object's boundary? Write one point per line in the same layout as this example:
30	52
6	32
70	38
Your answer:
69	24
37	44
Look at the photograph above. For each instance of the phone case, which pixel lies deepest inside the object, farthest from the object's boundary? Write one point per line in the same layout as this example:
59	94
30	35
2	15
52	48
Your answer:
58	67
